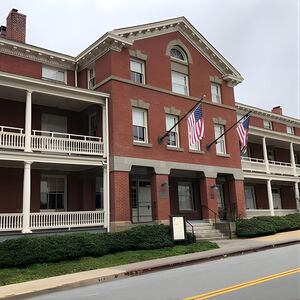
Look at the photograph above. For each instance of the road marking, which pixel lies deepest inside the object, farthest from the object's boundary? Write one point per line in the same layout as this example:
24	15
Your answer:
243	285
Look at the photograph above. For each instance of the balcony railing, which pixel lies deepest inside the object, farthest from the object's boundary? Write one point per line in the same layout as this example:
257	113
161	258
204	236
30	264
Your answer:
12	138
48	220
46	141
275	167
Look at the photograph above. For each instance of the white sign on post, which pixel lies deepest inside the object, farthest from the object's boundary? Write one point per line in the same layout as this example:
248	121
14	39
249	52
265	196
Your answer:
178	228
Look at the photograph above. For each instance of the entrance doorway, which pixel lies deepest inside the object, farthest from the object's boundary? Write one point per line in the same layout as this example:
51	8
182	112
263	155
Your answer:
141	205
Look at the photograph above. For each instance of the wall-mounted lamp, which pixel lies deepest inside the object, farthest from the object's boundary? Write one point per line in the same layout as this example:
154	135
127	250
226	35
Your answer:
214	187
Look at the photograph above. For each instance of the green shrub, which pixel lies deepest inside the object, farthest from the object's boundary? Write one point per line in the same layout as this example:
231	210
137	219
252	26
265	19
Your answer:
265	225
28	250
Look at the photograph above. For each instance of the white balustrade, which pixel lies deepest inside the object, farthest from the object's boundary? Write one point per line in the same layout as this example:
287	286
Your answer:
282	168
12	138
253	164
47	141
11	222
266	212
284	212
48	220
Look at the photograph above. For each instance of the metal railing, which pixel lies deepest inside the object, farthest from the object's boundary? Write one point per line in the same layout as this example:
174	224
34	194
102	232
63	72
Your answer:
12	138
215	214
193	230
47	141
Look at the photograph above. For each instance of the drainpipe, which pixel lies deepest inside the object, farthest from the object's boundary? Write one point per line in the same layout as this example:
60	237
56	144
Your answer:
75	71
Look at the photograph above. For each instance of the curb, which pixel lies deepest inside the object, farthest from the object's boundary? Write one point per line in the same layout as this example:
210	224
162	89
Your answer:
144	270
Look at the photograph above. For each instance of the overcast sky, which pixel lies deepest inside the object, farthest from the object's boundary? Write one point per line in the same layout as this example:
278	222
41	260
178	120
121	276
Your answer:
260	38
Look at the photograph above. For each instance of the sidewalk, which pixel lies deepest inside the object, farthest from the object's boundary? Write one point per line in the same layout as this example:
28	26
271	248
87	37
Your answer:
227	248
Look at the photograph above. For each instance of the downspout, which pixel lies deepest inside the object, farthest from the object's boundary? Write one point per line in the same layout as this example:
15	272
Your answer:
75	71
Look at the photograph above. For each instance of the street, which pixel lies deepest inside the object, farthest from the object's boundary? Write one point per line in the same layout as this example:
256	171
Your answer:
249	271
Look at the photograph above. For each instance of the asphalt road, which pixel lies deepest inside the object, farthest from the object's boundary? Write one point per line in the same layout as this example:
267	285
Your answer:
193	281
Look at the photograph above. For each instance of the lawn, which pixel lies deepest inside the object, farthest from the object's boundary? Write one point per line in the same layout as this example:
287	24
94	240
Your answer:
38	271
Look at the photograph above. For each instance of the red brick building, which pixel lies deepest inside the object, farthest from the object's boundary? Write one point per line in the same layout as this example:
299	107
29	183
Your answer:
79	135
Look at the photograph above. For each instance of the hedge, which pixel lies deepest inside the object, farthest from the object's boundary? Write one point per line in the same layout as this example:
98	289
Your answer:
28	250
266	225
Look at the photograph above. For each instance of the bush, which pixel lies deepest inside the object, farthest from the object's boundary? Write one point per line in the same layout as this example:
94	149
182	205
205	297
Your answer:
265	225
28	250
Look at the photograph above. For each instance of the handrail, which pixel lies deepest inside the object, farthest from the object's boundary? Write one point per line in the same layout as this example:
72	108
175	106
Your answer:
193	231
215	214
20	130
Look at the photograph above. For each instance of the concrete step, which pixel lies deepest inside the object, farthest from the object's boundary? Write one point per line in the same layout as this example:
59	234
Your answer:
206	231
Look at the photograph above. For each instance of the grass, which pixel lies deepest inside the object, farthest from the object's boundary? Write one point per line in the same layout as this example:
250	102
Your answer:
38	271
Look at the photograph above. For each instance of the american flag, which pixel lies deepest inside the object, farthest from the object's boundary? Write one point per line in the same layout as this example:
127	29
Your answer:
242	130
195	124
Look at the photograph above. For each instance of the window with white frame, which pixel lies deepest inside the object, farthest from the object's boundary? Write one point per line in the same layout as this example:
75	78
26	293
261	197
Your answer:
53	74
53	192
91	78
185	196
250	197
196	146
268	124
220	144
137	71
173	136
177	53
290	130
215	92
180	83
139	125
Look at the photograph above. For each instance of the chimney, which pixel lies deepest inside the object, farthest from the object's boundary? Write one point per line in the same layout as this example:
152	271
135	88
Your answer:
15	26
277	110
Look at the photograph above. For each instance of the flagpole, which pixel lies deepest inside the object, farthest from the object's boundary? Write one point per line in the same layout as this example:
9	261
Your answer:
215	141
160	138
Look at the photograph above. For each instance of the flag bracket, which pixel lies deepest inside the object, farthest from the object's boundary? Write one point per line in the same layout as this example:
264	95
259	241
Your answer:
161	138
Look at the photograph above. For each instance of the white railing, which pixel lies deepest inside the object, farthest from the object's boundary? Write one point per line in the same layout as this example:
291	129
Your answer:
257	212
282	168
253	164
47	141
48	220
11	222
12	138
283	212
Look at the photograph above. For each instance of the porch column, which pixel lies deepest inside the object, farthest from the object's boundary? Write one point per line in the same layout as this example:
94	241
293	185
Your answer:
26	197
270	197
209	198
237	198
106	198
28	110
293	159
265	154
297	195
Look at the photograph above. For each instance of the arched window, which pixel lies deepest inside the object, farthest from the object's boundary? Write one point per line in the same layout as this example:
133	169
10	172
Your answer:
178	53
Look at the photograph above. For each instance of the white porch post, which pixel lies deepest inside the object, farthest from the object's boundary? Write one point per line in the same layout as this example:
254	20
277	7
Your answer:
270	197
265	154
293	159
106	191
28	110
26	197
296	187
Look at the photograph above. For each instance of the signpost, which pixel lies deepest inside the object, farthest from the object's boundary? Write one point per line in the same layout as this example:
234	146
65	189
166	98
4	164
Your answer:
178	228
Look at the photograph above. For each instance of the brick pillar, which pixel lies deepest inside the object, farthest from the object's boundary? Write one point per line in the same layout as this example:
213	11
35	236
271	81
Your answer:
208	198
119	200
160	198
237	198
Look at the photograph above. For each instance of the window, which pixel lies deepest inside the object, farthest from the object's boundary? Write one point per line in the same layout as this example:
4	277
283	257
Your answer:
185	196
172	138
179	83
99	193
290	130
91	78
220	196
137	72
250	197
215	92
268	124
139	125
178	53
220	145
196	146
52	74
53	193
276	198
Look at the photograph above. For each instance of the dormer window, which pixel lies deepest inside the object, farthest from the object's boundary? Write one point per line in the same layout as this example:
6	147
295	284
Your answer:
178	53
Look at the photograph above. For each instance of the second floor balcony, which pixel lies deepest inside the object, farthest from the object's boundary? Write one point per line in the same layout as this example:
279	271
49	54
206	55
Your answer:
13	138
